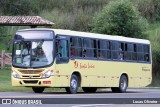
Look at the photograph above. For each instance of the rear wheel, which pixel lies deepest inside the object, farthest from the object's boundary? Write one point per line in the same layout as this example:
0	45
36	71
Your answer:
89	89
123	84
38	89
73	85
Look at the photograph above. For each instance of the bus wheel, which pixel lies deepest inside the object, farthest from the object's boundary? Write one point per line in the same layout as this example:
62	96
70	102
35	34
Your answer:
38	89
89	89
123	84
73	85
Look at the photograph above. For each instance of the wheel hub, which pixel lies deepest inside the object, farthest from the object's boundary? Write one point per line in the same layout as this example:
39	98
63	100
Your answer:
73	84
123	84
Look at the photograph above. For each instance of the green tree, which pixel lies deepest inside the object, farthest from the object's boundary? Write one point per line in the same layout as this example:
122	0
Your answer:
120	18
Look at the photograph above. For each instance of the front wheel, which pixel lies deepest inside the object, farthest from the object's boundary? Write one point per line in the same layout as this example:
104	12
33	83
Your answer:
38	89
123	84
73	85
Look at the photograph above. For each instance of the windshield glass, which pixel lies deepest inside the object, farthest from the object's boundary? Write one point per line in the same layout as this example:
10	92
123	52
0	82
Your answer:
33	53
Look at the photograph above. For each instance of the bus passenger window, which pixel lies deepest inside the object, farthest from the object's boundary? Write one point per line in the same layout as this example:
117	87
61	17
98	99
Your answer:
89	48
100	55
147	57
146	53
117	50
75	47
129	51
134	54
84	53
103	49
108	50
120	54
140	52
72	52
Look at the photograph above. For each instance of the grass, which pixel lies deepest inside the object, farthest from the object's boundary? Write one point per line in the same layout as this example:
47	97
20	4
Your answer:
5	82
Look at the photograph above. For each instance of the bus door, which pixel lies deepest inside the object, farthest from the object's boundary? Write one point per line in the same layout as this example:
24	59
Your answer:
62	60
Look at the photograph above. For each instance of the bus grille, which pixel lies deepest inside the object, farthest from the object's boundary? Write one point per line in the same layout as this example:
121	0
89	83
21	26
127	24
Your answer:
30	81
30	71
26	76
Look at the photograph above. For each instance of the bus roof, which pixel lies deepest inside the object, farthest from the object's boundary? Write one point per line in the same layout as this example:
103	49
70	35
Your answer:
93	35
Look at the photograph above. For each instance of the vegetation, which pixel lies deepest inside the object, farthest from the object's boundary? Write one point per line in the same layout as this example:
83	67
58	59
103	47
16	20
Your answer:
5	82
81	15
120	18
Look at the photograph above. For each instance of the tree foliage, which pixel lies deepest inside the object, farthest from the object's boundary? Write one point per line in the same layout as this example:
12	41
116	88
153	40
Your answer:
150	9
120	18
18	7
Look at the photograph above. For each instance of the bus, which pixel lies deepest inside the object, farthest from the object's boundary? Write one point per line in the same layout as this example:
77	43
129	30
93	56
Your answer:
45	58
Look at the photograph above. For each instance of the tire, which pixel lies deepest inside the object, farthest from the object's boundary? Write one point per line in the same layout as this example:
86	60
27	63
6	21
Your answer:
89	89
38	89
123	84
74	84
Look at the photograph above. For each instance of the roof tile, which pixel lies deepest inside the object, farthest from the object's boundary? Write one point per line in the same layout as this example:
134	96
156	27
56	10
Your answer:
24	21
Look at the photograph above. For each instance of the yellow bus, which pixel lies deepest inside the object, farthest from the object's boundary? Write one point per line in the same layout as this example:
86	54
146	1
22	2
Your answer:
45	58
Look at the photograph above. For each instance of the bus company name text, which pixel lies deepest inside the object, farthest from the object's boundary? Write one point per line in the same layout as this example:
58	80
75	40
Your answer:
85	66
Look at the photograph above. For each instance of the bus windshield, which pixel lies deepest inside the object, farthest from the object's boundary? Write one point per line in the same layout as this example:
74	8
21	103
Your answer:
33	53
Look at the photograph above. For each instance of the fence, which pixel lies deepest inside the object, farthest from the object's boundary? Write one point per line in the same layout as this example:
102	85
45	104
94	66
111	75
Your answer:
5	59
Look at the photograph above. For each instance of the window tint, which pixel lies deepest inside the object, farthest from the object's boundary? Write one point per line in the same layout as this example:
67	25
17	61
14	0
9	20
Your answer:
134	54
139	48
146	53
76	47
140	56
104	49
137	52
89	48
129	51
117	50
63	48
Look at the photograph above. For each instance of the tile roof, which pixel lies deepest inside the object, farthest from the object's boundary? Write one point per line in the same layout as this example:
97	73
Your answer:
24	21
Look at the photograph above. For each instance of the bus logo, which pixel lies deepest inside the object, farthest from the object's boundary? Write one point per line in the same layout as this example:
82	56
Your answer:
30	76
75	64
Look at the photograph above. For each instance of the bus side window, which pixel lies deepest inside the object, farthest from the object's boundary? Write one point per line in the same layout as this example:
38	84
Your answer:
114	50
63	48
121	51
75	47
108	43
104	49
140	52
134	54
129	51
89	48
146	53
117	50
63	51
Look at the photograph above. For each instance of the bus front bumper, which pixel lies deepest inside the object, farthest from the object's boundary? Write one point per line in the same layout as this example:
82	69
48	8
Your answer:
46	82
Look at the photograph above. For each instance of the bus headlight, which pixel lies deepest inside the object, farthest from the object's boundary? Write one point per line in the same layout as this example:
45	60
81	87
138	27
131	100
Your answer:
15	74
47	74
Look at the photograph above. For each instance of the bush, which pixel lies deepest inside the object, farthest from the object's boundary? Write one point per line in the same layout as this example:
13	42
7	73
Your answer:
120	18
